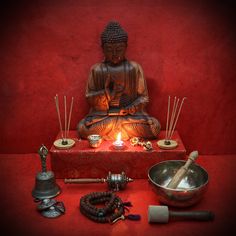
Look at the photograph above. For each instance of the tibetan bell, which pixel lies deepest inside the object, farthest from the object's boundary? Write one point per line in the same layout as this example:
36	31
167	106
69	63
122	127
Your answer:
45	183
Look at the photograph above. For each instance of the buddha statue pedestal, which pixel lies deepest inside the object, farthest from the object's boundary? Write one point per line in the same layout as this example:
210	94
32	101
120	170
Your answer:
82	161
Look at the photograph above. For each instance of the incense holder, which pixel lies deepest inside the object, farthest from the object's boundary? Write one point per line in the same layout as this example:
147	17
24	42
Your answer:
167	144
64	144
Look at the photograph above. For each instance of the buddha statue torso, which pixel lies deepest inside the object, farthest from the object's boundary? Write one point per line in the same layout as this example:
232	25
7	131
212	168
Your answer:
117	94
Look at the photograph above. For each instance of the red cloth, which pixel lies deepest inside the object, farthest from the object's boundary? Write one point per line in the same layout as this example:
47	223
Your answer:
19	215
134	161
186	48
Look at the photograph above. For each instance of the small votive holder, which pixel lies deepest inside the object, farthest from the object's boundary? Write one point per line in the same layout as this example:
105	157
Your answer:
94	140
118	144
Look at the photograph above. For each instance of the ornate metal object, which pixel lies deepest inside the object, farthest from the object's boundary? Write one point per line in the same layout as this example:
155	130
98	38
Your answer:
147	145
50	208
117	93
115	182
45	204
45	183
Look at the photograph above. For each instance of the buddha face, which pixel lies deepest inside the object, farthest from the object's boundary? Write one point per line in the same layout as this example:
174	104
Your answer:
114	52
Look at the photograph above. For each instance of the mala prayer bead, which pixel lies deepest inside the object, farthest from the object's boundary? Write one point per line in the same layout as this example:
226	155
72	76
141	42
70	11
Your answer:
113	210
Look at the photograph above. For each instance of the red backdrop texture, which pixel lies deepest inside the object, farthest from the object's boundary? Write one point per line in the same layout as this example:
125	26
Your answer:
186	48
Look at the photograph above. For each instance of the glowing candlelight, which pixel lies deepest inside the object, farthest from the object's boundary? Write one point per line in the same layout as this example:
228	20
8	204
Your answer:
118	144
118	139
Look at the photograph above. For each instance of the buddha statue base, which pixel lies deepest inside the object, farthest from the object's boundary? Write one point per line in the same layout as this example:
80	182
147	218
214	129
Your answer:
82	161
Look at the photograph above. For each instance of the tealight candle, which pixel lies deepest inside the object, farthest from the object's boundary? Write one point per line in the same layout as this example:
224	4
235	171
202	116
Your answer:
118	144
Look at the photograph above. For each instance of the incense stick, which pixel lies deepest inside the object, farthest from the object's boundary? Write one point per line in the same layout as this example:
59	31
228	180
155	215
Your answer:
58	114
177	116
71	107
167	119
175	105
65	116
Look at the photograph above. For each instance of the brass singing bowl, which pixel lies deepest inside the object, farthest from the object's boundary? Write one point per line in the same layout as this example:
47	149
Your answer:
189	191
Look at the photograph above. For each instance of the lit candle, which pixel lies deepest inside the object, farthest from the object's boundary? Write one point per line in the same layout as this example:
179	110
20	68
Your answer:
118	144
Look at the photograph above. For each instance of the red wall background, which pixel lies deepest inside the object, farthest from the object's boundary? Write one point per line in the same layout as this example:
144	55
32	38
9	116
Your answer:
186	48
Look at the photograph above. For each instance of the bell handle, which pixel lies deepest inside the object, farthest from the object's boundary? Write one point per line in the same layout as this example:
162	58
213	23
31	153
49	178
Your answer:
43	151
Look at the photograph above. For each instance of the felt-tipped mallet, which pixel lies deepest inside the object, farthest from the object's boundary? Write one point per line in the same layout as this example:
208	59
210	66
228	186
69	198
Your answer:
161	214
182	171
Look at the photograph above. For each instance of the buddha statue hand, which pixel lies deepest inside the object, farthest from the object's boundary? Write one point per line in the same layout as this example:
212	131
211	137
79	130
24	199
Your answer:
129	110
123	112
109	88
112	88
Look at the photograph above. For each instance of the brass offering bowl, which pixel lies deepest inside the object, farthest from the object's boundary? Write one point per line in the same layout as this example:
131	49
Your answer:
189	191
94	140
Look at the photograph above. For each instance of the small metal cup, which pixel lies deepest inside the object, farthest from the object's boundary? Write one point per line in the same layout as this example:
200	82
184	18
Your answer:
94	140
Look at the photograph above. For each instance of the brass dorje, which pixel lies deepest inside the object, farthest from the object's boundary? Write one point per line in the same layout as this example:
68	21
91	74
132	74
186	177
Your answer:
117	93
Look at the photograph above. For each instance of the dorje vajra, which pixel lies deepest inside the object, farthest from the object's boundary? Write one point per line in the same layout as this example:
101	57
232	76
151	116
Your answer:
147	145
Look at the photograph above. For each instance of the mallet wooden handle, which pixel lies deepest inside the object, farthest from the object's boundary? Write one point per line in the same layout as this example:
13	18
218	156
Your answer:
182	171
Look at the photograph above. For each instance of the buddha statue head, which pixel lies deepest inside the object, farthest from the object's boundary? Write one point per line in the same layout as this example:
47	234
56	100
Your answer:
114	43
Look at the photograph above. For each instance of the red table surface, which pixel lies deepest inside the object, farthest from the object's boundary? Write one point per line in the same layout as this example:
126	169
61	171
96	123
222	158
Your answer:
19	215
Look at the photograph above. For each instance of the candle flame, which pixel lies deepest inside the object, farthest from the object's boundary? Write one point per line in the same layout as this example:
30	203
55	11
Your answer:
118	139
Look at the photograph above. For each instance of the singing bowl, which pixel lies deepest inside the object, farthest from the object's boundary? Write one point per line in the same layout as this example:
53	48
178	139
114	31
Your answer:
189	191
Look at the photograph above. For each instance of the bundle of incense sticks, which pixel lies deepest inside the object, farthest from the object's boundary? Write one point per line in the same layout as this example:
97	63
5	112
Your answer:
64	133
171	121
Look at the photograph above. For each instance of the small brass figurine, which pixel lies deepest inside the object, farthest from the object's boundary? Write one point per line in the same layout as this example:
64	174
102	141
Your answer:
117	93
147	145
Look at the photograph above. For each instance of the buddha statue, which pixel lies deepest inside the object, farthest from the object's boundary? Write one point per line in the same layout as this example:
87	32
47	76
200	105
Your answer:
117	93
